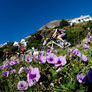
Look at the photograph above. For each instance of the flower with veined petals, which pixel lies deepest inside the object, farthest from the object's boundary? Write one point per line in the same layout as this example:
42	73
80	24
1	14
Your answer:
61	61
52	58
42	59
22	85
33	76
28	59
13	62
75	51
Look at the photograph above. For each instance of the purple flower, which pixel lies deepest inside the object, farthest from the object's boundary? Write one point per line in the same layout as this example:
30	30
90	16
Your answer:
70	50
36	58
89	76
79	54
12	71
85	46
52	58
13	62
80	78
16	61
77	46
5	73
2	67
41	53
42	59
26	70
22	85
28	59
61	61
84	58
87	41
30	67
75	51
33	76
8	67
49	51
20	70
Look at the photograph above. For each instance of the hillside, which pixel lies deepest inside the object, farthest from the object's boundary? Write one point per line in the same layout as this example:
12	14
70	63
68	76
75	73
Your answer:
44	70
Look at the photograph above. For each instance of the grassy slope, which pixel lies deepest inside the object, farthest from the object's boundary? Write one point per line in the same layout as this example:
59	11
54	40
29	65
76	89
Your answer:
66	76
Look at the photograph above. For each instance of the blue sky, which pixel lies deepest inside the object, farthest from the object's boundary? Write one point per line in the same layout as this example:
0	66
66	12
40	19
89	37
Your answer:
20	18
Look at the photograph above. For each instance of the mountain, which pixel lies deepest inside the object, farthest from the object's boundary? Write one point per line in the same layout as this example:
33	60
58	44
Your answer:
75	33
51	24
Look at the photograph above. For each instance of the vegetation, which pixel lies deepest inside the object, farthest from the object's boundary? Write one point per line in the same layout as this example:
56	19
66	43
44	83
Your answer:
63	23
62	78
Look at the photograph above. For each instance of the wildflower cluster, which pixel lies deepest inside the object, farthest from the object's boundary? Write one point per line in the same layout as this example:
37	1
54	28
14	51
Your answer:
75	52
32	74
